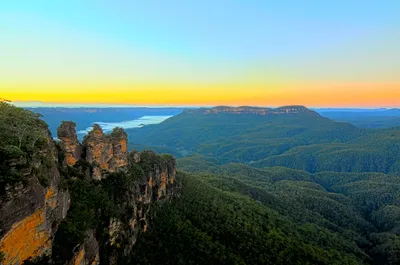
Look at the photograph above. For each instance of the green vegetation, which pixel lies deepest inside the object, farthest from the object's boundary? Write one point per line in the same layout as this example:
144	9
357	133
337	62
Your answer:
280	189
229	216
333	180
207	225
1	257
93	203
303	141
22	135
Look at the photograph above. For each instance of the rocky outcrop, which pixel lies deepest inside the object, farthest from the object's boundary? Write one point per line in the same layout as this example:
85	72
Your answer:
31	210
251	110
155	183
66	133
106	153
87	253
119	142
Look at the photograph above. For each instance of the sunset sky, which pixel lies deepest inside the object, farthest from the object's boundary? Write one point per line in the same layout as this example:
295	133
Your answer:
317	53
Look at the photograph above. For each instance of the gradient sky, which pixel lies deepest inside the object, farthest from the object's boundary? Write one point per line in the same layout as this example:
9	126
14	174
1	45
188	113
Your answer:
318	53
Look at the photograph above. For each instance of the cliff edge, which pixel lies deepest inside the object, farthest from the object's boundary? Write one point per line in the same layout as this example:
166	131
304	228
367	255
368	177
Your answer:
68	202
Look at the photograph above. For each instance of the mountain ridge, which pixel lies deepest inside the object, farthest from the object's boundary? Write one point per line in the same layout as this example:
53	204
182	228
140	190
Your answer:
263	111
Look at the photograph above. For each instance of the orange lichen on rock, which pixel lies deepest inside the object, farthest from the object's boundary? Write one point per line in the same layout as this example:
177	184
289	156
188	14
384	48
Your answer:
70	160
52	204
104	165
96	260
50	192
100	153
51	200
124	145
25	239
70	146
80	258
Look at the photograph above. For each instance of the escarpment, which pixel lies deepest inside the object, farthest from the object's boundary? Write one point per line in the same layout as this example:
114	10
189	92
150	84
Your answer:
32	201
80	203
245	110
118	207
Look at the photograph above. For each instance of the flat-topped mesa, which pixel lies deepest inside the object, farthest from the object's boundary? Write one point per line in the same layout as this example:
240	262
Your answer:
106	153
70	145
251	110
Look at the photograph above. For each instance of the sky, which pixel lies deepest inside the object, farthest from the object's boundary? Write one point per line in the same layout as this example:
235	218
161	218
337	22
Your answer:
319	53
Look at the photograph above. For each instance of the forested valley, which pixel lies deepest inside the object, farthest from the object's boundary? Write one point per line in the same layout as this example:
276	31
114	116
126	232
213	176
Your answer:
278	189
248	186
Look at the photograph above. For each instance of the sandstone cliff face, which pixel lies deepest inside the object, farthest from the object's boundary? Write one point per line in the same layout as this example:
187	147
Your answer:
105	153
156	186
69	143
30	211
119	142
251	110
87	253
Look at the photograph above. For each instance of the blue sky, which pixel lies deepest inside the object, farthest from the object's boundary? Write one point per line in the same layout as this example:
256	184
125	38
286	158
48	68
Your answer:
196	41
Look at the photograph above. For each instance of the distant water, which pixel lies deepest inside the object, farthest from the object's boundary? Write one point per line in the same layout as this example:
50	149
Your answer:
109	126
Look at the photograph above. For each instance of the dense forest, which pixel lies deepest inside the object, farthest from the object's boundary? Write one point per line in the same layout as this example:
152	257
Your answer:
277	216
305	141
337	182
253	189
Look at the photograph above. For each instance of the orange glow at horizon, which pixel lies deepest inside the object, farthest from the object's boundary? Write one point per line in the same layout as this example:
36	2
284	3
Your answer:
308	94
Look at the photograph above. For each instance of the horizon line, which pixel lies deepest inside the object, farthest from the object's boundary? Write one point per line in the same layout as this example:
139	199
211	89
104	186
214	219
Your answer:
41	104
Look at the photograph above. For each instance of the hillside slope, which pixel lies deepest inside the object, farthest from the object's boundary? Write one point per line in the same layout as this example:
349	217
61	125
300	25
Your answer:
289	136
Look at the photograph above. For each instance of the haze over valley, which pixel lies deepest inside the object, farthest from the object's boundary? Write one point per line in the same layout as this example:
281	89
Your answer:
199	132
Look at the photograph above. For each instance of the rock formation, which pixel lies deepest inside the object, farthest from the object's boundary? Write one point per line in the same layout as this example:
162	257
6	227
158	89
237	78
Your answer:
119	141
87	253
105	153
66	133
157	183
30	211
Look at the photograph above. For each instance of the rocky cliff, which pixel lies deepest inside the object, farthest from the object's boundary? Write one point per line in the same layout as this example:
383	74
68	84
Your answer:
78	203
32	208
105	153
251	110
69	143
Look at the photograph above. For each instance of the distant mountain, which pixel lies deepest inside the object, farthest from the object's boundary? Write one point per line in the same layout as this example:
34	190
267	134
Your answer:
364	118
291	136
246	110
380	111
